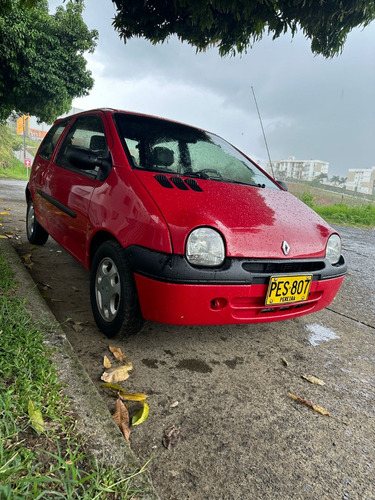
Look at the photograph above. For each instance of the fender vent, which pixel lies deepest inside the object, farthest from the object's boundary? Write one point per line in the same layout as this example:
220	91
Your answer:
179	182
163	181
192	183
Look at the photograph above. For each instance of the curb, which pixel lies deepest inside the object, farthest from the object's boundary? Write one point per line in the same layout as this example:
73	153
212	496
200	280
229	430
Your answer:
103	438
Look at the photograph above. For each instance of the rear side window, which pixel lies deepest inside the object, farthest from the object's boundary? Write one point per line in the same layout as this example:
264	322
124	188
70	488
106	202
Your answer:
49	143
87	132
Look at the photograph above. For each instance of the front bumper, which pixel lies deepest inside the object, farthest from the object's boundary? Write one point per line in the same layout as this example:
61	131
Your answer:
172	291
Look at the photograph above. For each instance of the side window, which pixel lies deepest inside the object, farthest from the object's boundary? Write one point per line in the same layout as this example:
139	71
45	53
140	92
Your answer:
51	139
86	132
133	146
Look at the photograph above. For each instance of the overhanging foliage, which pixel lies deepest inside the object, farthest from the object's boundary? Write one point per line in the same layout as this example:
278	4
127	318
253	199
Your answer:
42	58
234	25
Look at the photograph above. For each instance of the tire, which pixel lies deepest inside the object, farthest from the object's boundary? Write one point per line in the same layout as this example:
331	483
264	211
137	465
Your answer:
113	292
36	234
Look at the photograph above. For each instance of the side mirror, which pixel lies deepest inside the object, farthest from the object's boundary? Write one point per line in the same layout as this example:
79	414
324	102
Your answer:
86	159
82	158
283	184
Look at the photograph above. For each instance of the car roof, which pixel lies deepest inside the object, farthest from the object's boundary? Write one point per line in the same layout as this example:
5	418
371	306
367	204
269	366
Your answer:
111	111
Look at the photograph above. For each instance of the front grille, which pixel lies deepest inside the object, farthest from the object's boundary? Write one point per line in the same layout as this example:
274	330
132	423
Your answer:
253	308
280	267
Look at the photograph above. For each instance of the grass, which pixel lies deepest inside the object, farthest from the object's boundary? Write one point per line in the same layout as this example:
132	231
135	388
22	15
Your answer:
361	216
358	215
49	461
16	171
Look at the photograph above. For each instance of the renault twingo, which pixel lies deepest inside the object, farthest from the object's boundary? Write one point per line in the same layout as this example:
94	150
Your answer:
176	225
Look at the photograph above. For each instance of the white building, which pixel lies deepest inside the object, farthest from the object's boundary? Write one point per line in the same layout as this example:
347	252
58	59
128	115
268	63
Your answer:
361	180
304	170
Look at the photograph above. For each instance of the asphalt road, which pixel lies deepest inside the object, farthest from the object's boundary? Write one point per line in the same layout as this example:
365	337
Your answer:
227	388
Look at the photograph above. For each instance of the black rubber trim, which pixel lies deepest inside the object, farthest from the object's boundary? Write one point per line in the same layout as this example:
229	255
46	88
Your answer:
57	204
176	269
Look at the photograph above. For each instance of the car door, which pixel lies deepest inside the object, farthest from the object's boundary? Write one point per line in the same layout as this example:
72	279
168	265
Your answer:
70	188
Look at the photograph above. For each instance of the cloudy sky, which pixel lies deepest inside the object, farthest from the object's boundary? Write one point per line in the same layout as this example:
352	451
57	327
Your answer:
311	108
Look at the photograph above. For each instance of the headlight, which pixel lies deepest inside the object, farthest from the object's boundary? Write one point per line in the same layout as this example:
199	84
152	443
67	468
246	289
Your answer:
333	251
205	247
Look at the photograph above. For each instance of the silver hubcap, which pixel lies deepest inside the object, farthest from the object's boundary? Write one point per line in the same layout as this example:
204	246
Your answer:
30	219
107	289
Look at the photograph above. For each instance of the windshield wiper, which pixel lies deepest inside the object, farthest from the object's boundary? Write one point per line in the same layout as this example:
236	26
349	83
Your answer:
198	175
252	184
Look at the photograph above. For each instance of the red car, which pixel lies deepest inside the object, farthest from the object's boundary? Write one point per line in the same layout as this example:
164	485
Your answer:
176	225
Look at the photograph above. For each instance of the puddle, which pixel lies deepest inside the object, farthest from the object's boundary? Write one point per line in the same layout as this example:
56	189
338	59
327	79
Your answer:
319	334
150	363
194	365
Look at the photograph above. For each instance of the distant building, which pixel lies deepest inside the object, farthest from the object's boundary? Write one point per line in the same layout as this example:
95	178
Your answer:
361	180
304	170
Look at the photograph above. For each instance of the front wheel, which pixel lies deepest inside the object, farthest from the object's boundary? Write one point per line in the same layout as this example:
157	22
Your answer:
36	234
113	293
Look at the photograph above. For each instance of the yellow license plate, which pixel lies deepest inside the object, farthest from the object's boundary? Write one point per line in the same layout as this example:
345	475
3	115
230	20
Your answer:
287	289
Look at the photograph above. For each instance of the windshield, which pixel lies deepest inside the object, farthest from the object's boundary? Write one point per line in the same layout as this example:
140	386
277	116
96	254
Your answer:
172	148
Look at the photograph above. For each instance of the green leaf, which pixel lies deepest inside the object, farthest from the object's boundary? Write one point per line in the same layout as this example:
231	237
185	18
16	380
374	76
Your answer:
141	416
136	396
36	418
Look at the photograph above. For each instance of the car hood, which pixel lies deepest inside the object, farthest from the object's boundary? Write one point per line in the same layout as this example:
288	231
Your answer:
253	221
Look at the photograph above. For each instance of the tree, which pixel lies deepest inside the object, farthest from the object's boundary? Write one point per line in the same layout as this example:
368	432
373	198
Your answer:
335	179
318	179
6	5
42	58
233	25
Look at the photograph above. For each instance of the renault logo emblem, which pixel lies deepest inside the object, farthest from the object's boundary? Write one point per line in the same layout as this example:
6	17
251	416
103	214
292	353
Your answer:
285	247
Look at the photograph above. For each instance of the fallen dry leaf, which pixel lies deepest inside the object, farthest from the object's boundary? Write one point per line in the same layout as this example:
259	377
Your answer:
135	396
171	437
3	237
118	354
106	363
117	373
27	260
141	415
313	380
45	286
4	213
121	417
316	408
285	361
78	326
